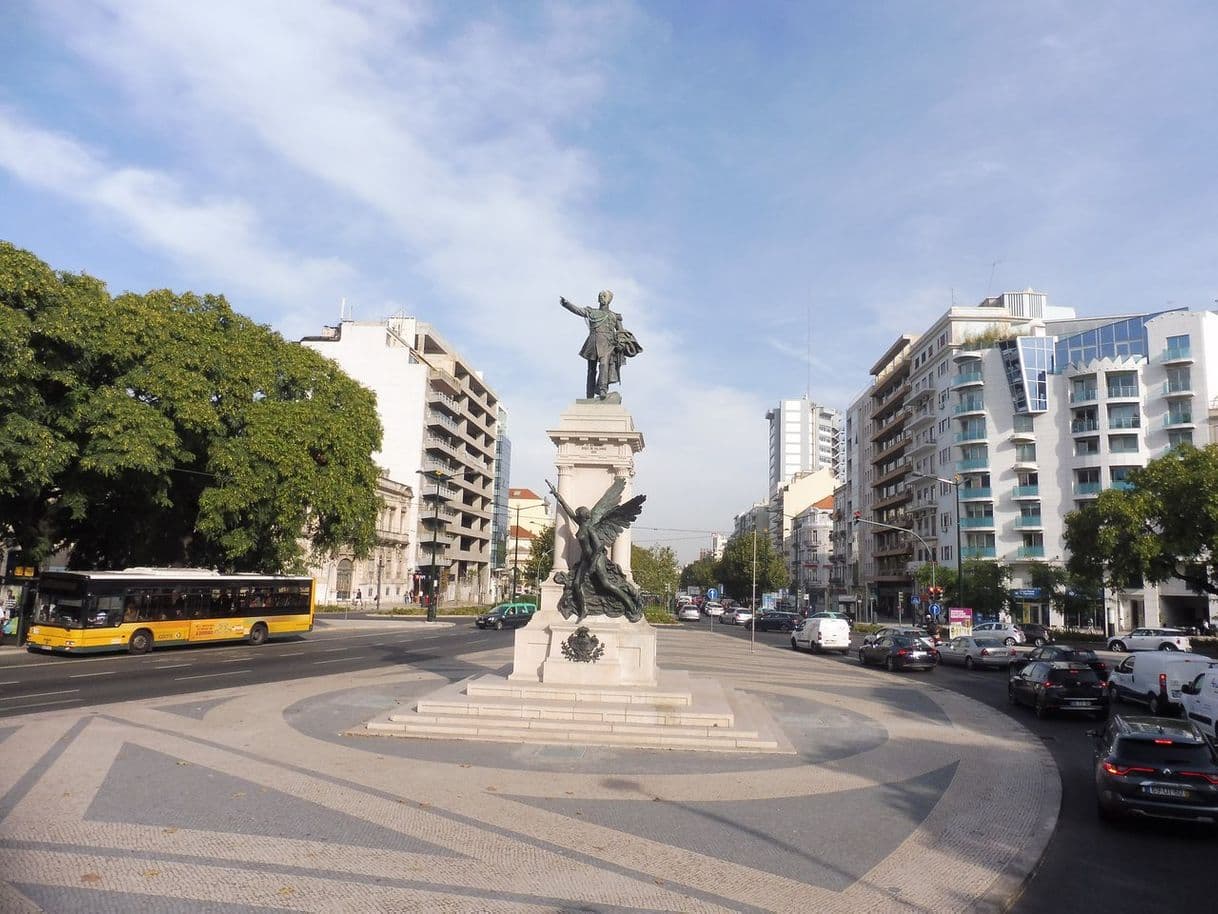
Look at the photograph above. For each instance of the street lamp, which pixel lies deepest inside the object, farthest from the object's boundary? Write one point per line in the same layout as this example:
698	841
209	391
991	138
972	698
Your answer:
516	539
858	519
954	482
439	477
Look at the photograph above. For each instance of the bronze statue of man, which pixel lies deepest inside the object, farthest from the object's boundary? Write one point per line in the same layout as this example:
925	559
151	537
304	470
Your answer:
606	347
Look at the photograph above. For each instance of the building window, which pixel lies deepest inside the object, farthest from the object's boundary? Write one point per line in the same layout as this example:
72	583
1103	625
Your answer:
1177	437
1123	444
1085	446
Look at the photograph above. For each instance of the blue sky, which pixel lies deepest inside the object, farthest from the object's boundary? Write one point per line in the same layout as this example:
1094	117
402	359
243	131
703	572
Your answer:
730	170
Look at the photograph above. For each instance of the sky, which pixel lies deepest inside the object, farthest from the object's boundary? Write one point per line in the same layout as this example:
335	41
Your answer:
774	191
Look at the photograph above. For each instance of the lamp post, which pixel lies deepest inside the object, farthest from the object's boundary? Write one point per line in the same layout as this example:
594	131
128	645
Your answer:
954	482
858	519
516	539
380	564
439	477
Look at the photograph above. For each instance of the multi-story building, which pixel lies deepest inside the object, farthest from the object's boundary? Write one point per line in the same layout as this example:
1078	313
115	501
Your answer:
384	577
715	552
810	554
756	517
1018	413
439	418
499	504
804	438
528	515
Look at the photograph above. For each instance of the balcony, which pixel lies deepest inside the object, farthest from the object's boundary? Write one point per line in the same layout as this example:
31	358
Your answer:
1082	426
972	493
1177	388
1124	421
969	406
970	434
1028	522
968	379
1023	432
1084	394
1025	461
973	463
1030	552
1122	484
920	417
922	445
1026	492
449	403
1123	392
1087	488
978	552
1176	354
1179	420
985	522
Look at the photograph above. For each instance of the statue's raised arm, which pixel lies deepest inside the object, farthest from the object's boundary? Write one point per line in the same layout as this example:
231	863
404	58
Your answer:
607	346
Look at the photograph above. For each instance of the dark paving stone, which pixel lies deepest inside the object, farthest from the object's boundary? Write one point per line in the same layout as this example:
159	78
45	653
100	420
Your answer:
829	840
65	900
144	787
6	732
195	709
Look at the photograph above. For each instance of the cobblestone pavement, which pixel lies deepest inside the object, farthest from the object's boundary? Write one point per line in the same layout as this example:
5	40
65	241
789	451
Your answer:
902	796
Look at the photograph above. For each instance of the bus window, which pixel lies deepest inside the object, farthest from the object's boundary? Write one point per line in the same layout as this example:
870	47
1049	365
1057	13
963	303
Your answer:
106	611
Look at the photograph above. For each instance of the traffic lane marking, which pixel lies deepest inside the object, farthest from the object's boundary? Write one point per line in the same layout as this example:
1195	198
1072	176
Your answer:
38	695
210	675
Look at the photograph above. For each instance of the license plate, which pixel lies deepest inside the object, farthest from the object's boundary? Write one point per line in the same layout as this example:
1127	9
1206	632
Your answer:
1162	790
1079	703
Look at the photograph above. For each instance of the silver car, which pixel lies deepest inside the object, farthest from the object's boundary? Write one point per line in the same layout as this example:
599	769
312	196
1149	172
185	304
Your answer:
741	615
972	651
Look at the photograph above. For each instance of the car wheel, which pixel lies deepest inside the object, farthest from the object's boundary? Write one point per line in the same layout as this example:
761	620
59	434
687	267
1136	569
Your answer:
1154	705
862	658
1117	646
499	625
968	663
1009	642
890	665
794	646
1041	711
1039	642
140	643
1011	695
1167	646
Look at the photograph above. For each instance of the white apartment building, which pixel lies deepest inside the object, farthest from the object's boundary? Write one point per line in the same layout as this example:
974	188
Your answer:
528	515
810	554
438	415
804	438
1017	413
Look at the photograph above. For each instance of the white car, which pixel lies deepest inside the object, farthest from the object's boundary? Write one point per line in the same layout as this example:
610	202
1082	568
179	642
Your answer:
1156	680
712	609
1006	632
689	613
1151	639
1200	700
980	651
822	634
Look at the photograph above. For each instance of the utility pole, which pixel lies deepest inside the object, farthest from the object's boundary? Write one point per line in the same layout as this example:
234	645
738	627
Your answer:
380	564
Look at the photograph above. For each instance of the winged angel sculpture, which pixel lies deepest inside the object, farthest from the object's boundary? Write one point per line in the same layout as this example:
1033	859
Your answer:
597	585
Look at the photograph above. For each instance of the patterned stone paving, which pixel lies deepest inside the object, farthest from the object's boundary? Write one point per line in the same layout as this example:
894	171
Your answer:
902	796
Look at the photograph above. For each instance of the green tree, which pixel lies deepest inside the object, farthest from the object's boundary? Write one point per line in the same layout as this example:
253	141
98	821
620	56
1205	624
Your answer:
700	573
736	569
168	429
537	567
986	586
944	576
1163	527
654	569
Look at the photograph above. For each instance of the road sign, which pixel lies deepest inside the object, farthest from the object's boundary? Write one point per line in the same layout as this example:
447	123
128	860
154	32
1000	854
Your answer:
935	609
915	600
712	593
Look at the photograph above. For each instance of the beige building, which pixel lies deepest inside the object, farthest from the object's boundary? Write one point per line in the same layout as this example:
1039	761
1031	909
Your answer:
528	515
386	573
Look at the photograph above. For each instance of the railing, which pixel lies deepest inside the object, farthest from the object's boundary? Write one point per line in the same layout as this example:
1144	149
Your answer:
444	419
1087	488
1122	484
970	406
1084	394
1179	419
976	522
971	434
978	552
1027	521
1177	387
1122	390
1175	354
1031	552
444	398
974	463
975	492
1084	425
1025	457
1022	425
1026	491
967	377
1124	421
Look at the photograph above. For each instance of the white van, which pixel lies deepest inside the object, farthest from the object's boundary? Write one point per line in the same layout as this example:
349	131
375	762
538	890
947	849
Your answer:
1154	679
1200	700
822	634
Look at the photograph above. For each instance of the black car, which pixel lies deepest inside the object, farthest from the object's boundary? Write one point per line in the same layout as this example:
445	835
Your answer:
1072	688
898	652
777	621
1034	633
1148	766
507	615
1064	653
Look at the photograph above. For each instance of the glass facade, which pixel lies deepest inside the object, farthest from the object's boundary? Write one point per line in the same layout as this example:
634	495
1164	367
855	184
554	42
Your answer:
1121	339
1028	362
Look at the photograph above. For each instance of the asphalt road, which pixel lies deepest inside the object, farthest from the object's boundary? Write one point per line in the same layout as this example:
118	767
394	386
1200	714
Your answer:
1089	865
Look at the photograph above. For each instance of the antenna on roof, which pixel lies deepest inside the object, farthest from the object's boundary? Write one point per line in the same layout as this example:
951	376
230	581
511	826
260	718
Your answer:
990	284
808	389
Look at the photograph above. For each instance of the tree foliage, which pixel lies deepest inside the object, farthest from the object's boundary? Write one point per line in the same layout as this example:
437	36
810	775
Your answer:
1163	527
167	429
540	562
736	569
654	569
700	573
986	586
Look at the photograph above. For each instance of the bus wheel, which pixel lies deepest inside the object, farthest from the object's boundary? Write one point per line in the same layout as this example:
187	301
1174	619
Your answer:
140	643
258	634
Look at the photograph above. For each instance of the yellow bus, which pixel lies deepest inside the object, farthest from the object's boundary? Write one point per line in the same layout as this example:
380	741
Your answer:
142	608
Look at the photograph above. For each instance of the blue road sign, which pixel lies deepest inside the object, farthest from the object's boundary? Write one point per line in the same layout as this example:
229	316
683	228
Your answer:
712	593
935	609
915	600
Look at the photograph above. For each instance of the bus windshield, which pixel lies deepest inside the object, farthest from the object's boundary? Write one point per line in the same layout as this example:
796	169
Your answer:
60	603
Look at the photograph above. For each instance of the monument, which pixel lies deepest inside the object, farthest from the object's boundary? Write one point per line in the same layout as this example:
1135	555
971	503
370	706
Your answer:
584	667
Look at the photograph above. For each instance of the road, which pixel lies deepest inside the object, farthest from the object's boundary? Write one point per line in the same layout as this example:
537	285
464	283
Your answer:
1087	866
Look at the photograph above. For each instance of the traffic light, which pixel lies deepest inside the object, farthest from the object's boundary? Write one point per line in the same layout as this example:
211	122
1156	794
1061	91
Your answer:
858	515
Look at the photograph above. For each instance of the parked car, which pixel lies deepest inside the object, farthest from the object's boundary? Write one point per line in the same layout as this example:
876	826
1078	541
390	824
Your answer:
899	652
1200	700
689	613
777	621
822	633
980	651
741	615
507	615
1034	633
1064	653
712	609
1151	639
1156	679
1147	766
1004	630
1071	688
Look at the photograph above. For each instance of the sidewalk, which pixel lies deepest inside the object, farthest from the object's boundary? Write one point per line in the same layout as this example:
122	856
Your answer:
902	796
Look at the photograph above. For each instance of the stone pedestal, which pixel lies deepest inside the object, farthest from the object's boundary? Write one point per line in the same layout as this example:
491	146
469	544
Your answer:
596	442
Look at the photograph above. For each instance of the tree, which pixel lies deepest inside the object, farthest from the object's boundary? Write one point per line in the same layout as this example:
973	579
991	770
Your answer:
944	577
654	569
540	562
1075	599
986	586
168	429
736	568
700	573
1163	527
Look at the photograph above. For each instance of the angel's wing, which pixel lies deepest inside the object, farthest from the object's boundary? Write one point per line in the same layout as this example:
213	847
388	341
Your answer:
619	518
608	501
